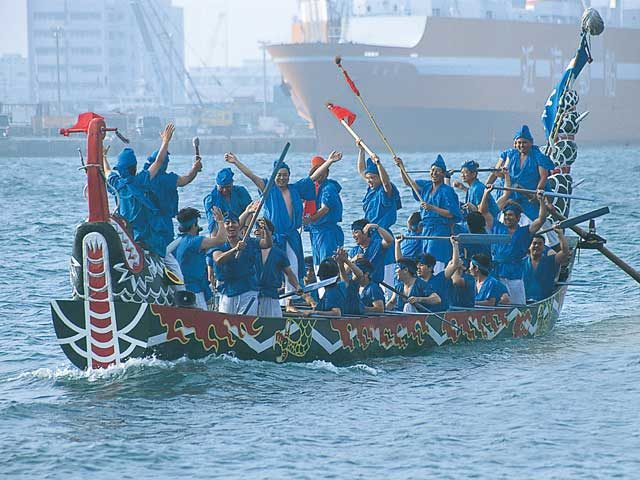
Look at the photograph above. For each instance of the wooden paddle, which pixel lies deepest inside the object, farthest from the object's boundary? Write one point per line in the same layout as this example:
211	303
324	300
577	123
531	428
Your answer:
546	194
468	238
312	287
626	268
569	222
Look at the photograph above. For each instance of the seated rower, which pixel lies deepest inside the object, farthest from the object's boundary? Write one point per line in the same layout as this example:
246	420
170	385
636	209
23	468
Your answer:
372	243
414	288
310	277
462	291
489	290
332	302
540	269
508	257
369	293
411	248
237	277
190	251
272	265
438	301
475	224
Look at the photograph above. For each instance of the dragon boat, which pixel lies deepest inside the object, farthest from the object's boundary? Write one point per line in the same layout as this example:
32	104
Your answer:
122	303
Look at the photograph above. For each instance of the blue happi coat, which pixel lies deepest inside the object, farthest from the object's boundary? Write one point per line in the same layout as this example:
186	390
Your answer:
237	202
526	176
507	258
491	288
286	227
381	208
434	224
474	196
326	235
192	264
375	253
271	272
539	282
135	206
238	275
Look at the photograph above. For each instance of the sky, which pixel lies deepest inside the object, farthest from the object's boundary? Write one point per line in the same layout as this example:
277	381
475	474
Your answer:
249	22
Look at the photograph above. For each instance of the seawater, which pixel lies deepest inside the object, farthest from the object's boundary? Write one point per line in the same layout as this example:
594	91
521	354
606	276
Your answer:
566	405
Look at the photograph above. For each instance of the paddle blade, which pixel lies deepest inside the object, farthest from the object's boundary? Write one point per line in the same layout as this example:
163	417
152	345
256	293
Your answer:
570	222
482	238
342	113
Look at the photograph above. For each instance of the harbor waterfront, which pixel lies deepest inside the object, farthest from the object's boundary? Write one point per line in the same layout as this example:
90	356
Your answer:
558	406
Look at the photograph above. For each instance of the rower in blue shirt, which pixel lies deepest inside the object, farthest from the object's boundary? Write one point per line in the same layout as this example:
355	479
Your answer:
237	277
462	289
541	269
508	257
333	300
380	203
190	252
411	248
439	282
324	229
272	266
440	209
528	168
372	243
475	189
164	187
414	288
357	273
226	196
283	207
134	192
489	290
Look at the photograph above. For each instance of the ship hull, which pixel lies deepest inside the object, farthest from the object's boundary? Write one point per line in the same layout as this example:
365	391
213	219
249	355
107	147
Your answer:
466	84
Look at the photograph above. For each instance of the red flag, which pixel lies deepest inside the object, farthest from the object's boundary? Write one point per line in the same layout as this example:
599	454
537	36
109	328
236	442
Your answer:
342	113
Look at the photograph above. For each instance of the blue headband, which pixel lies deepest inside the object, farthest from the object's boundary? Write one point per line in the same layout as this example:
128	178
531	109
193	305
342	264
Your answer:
230	217
480	267
187	224
439	162
282	165
126	159
471	165
408	265
224	177
514	207
371	167
525	133
358	225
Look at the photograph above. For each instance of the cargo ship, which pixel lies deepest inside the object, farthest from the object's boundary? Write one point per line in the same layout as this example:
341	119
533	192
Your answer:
457	75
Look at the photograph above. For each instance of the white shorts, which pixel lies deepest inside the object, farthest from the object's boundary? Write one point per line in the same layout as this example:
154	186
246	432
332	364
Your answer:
238	304
172	264
201	303
269	307
389	279
515	289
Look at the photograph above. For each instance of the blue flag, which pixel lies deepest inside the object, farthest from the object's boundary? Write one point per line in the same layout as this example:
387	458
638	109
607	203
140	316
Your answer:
571	73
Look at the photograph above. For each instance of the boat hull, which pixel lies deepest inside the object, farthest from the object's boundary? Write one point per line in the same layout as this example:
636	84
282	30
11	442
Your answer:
165	332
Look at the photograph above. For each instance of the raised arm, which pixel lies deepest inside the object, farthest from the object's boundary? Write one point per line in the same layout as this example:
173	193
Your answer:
106	168
398	247
504	198
452	266
189	177
387	238
406	178
333	158
361	162
246	171
544	174
563	254
493	175
483	208
219	236
267	240
162	152
542	214
384	176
